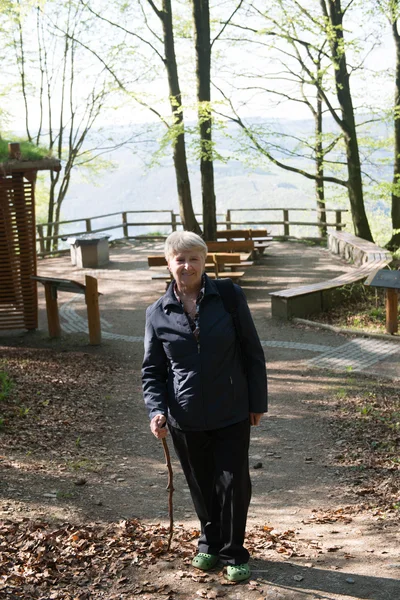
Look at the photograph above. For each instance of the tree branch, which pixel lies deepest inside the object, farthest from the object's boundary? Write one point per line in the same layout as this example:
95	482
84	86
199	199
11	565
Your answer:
226	23
132	33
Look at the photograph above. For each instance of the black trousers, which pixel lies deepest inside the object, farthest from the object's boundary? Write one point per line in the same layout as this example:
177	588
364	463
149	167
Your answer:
216	467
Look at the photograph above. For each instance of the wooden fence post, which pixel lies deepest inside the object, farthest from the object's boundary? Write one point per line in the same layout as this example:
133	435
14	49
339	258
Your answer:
228	219
93	312
391	311
339	224
88	225
286	230
53	318
173	220
125	224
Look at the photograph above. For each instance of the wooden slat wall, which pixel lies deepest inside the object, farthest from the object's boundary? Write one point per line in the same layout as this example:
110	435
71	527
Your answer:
18	293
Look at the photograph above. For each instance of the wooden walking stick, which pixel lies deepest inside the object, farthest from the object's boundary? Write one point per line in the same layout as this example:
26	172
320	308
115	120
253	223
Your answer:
170	488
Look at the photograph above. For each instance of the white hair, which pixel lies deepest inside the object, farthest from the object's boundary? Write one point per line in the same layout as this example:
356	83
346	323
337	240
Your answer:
181	241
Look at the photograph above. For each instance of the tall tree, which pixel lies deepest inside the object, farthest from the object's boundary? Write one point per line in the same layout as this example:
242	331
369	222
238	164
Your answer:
179	146
307	33
391	9
333	15
303	63
201	19
203	46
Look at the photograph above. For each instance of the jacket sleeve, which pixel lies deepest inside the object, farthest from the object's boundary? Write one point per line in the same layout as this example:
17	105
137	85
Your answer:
253	356
154	372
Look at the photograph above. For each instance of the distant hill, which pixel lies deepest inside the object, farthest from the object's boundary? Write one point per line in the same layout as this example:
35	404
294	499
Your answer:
131	186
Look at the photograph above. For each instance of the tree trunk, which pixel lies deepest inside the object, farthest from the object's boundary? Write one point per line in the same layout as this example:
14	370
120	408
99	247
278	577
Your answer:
342	79
50	210
394	242
319	167
201	18
179	149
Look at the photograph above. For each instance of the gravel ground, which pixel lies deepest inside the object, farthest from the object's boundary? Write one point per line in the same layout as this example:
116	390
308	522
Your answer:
100	464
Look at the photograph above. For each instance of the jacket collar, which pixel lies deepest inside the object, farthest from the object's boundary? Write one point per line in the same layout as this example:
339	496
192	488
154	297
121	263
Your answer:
169	297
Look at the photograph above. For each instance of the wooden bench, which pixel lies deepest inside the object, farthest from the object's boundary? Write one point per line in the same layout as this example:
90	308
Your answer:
316	297
53	285
216	262
225	260
259	236
244	247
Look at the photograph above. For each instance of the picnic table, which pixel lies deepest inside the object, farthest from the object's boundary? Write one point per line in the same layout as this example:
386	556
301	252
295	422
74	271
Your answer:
216	263
260	237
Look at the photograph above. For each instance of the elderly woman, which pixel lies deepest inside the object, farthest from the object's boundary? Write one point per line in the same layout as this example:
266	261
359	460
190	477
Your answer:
209	385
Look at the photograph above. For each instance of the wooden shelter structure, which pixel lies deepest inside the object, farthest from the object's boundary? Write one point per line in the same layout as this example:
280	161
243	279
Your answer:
18	292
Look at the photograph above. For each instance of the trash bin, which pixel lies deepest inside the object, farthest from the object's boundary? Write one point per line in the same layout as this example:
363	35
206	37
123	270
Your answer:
89	250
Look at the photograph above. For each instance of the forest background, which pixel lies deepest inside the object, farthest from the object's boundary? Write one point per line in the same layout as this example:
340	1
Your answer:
205	106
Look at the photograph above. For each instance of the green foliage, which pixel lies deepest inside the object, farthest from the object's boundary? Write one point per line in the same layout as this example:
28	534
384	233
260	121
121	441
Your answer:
81	464
6	385
28	151
41	197
23	411
65	495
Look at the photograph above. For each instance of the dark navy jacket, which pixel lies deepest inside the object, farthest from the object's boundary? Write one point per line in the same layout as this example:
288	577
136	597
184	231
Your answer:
202	385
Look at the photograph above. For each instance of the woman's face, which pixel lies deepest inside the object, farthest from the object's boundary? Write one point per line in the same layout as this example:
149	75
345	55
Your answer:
187	268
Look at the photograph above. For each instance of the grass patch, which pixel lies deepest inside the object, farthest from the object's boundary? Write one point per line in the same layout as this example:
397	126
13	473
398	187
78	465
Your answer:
6	385
364	309
28	151
367	420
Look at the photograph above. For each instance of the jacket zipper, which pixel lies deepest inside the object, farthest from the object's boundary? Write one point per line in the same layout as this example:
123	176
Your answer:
201	378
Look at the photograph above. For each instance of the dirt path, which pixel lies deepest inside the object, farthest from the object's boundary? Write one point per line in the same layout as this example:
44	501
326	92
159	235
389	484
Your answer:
94	461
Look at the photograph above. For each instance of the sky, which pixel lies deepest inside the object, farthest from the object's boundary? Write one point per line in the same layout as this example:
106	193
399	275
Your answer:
381	61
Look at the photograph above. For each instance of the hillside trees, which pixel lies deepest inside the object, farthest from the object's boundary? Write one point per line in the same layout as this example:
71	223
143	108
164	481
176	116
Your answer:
313	53
62	100
301	62
151	47
176	130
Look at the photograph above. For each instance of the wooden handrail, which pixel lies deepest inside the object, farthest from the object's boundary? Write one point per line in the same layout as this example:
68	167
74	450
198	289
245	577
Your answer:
175	222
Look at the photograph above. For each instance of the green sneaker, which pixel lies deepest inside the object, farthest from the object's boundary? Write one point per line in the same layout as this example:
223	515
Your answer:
204	561
238	572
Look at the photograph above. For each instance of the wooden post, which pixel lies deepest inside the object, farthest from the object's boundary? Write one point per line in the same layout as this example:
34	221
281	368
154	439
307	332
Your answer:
391	311
41	240
125	224
14	150
93	312
53	319
286	230
88	225
216	265
173	220
228	219
338	220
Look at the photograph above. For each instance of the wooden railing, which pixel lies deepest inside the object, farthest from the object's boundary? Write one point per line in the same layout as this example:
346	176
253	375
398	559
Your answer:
173	221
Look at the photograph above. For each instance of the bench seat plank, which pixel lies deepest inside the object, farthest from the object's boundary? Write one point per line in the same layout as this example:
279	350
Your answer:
234	275
315	297
350	277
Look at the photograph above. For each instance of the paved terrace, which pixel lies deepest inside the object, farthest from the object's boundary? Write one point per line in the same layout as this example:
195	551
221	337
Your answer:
127	290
